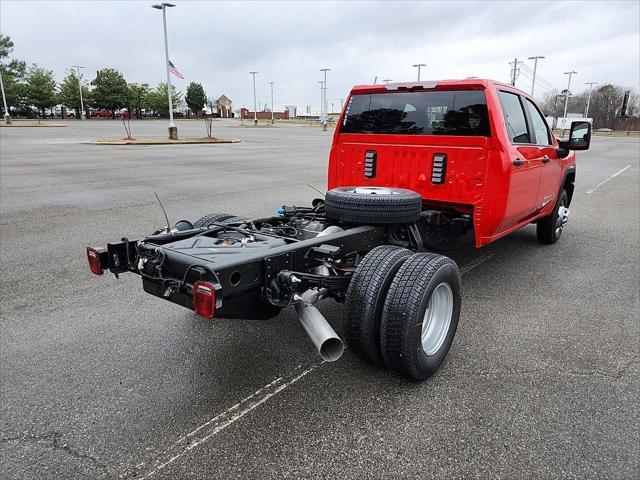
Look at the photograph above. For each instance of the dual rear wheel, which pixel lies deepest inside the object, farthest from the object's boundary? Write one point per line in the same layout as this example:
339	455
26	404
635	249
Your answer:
402	310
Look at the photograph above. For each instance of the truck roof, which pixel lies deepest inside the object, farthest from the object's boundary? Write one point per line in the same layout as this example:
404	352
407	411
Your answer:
466	84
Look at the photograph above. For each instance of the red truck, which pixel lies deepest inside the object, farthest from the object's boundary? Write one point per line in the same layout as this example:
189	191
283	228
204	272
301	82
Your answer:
414	169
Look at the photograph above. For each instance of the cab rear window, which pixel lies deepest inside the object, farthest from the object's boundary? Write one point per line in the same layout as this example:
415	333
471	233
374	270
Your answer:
453	112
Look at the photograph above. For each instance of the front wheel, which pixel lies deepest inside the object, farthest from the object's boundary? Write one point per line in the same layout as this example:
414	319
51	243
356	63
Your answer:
420	315
549	229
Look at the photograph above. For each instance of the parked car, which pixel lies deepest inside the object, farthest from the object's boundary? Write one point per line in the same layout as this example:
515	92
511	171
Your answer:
99	113
414	169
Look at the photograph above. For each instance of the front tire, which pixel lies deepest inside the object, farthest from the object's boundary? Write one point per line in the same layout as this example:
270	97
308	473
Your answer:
549	229
420	315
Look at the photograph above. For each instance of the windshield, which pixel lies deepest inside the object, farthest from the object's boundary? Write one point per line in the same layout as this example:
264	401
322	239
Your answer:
454	112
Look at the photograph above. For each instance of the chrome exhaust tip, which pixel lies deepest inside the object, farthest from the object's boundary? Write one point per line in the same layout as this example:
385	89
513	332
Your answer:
321	334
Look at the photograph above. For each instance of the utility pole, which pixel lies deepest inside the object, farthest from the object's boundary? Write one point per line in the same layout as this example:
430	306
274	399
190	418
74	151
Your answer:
255	103
7	117
82	115
514	71
419	65
586	110
535	67
566	97
173	130
272	107
386	81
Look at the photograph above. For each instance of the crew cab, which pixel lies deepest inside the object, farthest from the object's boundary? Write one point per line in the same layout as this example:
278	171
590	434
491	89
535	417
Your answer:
415	169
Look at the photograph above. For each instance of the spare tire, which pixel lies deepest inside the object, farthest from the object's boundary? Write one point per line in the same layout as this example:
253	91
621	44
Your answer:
210	219
373	205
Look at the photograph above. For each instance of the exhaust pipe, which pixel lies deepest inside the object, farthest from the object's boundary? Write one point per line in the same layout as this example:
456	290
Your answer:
323	337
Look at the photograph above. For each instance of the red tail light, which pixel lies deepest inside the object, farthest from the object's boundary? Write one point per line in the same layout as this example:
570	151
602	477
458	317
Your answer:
94	261
204	299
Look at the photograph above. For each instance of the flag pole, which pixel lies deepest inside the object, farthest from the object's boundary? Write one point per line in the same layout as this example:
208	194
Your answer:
173	130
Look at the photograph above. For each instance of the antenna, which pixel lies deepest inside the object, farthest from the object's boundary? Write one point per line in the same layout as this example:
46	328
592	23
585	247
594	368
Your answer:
314	188
163	211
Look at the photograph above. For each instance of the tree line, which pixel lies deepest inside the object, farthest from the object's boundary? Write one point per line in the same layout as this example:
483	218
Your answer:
33	86
605	106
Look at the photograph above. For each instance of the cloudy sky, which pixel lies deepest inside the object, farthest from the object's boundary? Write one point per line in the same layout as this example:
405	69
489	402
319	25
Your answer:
217	44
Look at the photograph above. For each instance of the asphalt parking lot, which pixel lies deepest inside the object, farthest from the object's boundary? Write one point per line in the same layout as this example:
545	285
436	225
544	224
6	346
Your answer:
100	380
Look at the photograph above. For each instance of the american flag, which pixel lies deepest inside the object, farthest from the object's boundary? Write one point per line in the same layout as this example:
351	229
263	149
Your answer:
175	71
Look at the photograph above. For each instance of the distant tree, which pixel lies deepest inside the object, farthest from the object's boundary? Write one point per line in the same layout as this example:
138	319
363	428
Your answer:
138	98
6	46
40	88
195	97
605	103
633	107
159	101
110	90
69	93
13	73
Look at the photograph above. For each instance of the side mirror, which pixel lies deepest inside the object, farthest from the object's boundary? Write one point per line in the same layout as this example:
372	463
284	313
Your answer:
579	136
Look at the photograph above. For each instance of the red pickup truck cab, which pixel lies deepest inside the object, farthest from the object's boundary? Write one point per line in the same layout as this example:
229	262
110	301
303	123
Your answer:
477	148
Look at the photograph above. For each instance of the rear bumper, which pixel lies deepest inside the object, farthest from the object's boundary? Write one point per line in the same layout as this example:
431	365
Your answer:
248	305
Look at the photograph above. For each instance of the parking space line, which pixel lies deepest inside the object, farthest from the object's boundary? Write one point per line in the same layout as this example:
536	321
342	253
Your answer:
231	415
475	263
218	423
610	178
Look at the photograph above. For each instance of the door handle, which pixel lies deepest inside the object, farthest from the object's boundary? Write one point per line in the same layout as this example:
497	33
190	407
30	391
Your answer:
546	159
517	162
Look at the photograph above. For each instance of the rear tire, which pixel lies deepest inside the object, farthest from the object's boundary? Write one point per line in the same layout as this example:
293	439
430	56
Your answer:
373	205
365	299
420	315
549	229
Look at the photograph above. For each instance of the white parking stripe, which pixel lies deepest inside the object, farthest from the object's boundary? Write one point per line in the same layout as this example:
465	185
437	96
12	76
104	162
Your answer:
610	178
218	423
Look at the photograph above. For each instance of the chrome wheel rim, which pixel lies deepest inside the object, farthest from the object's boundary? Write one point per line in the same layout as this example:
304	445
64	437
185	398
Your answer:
562	219
374	191
437	319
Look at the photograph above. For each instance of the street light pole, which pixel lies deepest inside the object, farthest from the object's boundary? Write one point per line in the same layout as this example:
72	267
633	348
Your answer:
566	97
586	111
323	109
271	83
82	115
419	65
255	104
535	67
173	130
7	117
321	82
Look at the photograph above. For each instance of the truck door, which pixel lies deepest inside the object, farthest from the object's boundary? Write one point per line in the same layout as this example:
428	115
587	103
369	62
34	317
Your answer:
524	162
550	167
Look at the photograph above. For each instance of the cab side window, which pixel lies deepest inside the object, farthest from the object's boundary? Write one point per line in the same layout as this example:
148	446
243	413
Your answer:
539	124
514	117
